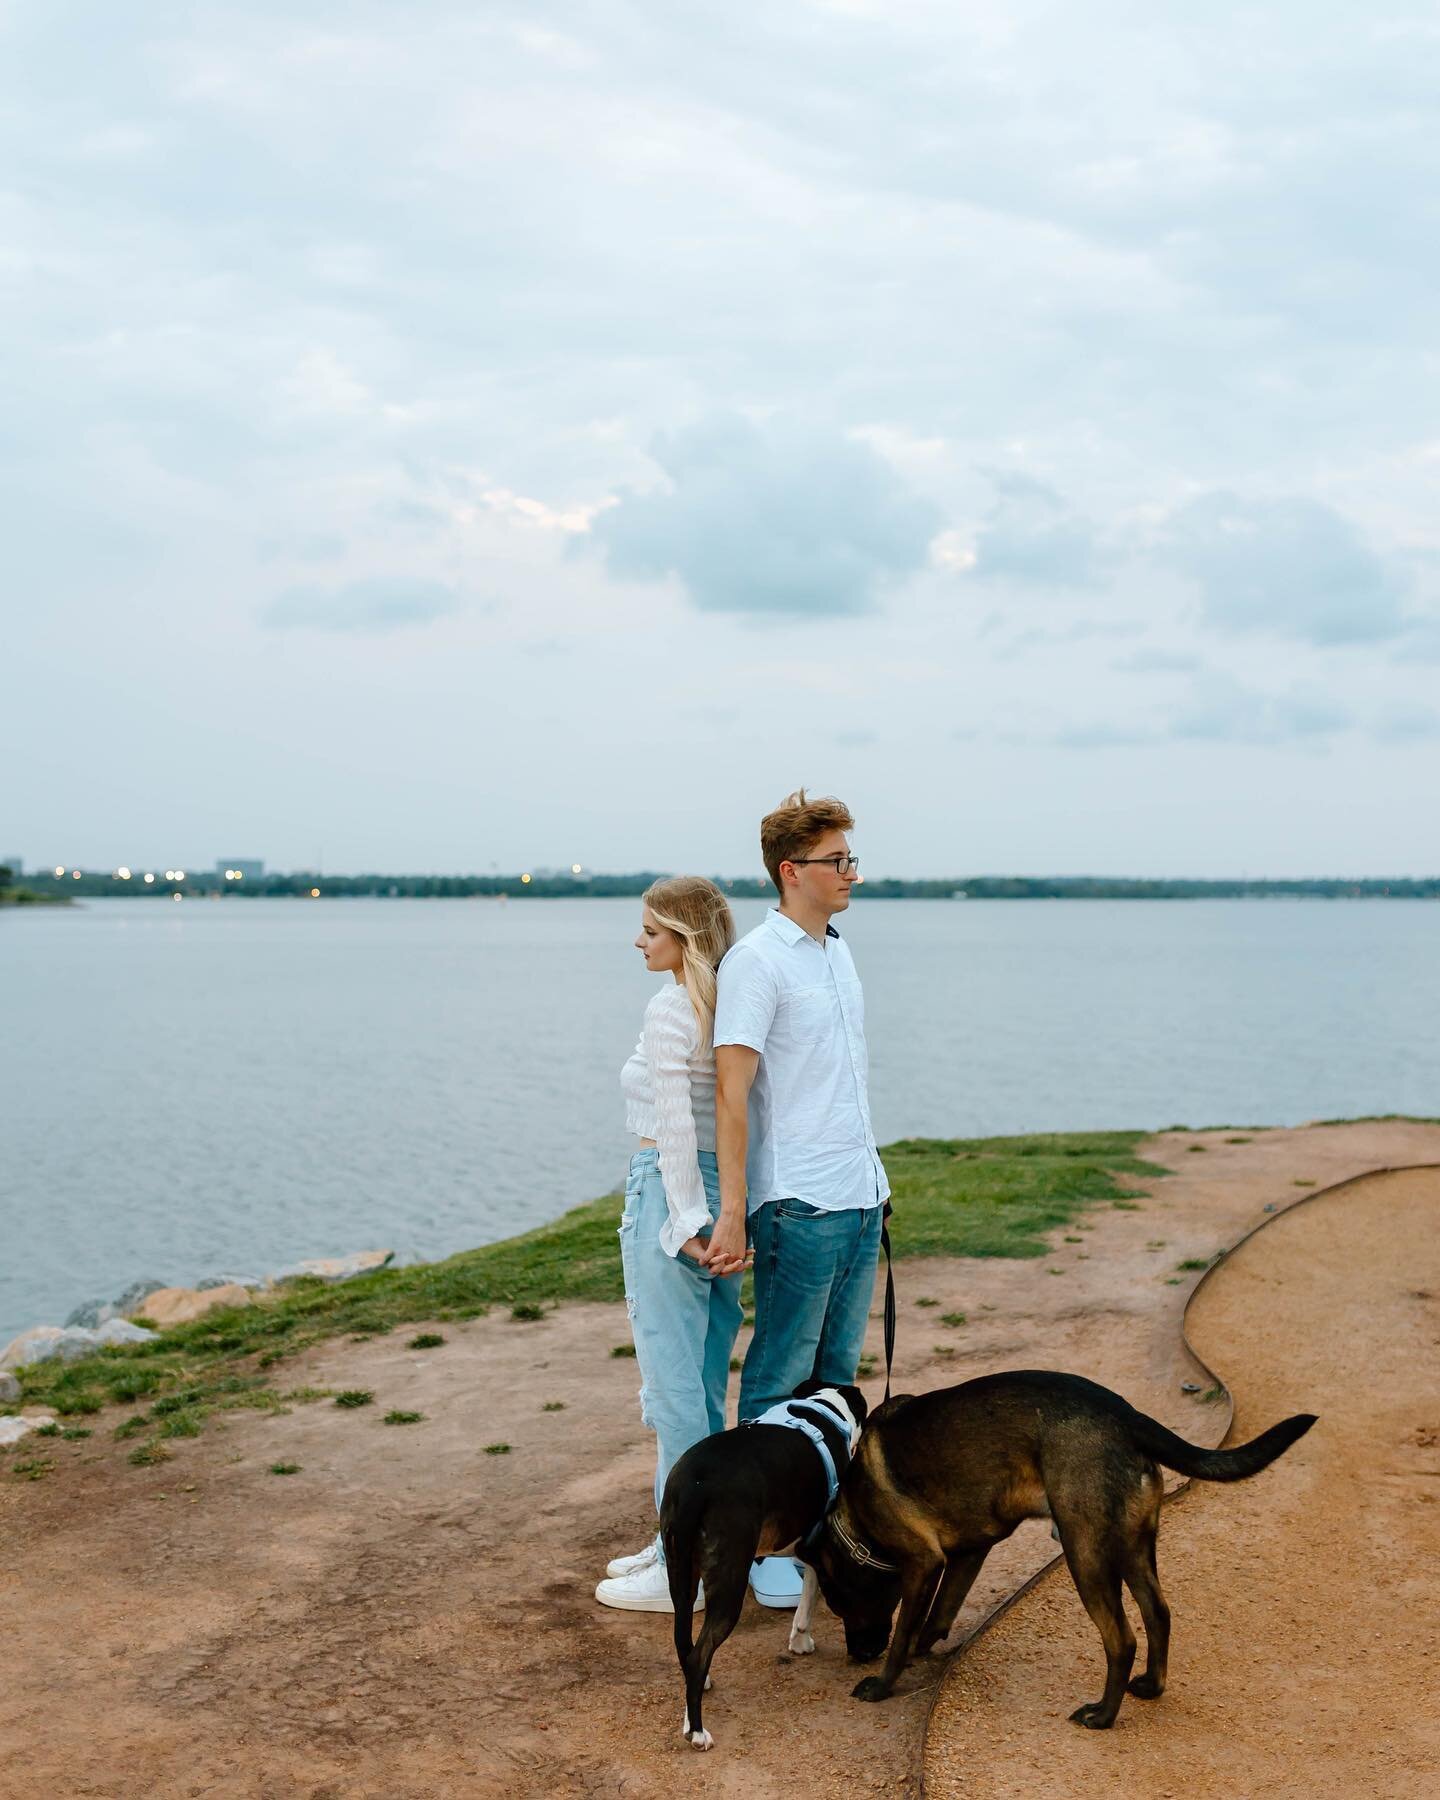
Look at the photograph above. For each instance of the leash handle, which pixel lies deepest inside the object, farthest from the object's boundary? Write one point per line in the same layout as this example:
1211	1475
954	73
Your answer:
889	1296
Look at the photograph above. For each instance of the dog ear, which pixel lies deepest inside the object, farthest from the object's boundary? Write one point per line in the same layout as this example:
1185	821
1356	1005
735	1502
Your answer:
856	1401
806	1388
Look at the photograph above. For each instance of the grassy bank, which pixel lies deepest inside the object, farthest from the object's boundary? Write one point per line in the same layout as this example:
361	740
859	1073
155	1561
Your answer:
953	1197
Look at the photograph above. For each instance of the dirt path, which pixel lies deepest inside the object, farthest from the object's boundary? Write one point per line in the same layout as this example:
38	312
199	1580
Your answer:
1304	1654
409	1618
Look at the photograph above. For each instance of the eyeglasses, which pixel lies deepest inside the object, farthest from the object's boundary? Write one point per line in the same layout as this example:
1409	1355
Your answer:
842	865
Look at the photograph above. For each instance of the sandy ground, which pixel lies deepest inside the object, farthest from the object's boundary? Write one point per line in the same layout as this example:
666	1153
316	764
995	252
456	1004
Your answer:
1303	1654
409	1616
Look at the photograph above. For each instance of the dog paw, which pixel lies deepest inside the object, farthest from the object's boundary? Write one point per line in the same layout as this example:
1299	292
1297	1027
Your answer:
871	1688
708	1684
1146	1687
801	1643
1092	1717
700	1740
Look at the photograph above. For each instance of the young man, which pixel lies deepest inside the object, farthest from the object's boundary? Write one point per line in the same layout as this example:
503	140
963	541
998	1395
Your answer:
793	1138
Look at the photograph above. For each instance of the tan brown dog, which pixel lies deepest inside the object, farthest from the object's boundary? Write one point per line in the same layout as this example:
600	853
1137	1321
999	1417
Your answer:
939	1479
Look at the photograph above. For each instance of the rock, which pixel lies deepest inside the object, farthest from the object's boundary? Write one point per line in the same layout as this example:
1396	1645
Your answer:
215	1281
13	1429
43	1343
9	1389
95	1313
337	1268
121	1331
179	1305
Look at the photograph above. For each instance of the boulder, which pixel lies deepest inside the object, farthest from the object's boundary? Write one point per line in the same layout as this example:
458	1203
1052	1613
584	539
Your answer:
42	1343
338	1268
13	1429
9	1390
214	1281
179	1305
95	1313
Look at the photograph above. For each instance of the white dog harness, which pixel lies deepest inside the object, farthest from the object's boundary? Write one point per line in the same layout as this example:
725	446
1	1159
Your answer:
793	1414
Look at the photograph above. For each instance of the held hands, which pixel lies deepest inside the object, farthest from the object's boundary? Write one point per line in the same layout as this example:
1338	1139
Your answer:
724	1252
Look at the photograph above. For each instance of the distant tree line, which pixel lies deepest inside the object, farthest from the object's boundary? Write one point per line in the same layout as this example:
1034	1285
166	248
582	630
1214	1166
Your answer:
304	884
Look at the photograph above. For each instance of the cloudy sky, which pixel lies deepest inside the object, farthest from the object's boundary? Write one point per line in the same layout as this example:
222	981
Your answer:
452	436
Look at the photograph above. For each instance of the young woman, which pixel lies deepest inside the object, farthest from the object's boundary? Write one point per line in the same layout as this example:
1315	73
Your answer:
684	1319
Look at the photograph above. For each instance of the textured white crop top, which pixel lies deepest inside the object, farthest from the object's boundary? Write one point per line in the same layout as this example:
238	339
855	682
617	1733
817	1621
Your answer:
669	1089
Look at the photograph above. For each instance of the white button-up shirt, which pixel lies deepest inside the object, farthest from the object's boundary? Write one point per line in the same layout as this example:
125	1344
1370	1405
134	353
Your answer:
799	1004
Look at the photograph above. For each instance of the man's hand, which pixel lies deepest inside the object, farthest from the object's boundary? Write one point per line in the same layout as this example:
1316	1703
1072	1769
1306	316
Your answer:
726	1252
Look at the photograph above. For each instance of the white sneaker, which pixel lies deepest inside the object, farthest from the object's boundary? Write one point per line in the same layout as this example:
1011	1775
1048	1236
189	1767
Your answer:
647	1590
631	1565
777	1581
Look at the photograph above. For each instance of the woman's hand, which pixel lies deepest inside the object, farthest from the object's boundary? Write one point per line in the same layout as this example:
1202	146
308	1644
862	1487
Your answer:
725	1253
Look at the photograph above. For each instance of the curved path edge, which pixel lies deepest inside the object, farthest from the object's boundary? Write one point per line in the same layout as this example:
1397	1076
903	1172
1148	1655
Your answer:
917	1787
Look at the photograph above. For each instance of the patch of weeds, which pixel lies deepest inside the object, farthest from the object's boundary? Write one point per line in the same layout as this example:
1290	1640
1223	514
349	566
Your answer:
1194	1262
497	1449
1054	1271
132	1384
1240	1140
73	1433
36	1469
1155	1244
925	1300
1127	1206
354	1397
526	1311
133	1427
427	1340
623	1350
172	1403
736	1365
1173	1281
943	1349
952	1319
181	1424
50	1430
553	1406
1074	1240
81	1401
284	1468
144	1456
1197	1149
1211	1395
1302	1184
305	1396
397	1417
866	1365
269	1359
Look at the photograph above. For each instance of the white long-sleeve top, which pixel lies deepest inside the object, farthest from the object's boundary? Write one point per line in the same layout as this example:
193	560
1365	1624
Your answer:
669	1089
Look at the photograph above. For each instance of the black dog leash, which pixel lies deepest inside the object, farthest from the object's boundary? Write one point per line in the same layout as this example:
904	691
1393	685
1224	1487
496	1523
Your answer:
889	1296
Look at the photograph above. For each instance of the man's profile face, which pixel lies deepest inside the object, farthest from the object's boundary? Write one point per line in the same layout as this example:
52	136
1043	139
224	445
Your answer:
817	882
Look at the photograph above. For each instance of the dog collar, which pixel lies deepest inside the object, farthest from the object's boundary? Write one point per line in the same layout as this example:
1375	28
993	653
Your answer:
862	1553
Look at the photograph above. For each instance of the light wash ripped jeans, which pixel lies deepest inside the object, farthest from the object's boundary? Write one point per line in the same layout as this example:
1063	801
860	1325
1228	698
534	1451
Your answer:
684	1320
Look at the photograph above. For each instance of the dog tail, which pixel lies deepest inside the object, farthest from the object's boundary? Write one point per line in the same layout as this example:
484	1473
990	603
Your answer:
678	1526
1218	1465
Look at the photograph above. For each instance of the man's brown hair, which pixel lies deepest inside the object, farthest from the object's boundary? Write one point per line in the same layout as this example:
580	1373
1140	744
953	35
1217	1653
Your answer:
796	826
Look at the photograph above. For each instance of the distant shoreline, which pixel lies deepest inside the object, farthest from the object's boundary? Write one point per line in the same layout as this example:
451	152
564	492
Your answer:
546	886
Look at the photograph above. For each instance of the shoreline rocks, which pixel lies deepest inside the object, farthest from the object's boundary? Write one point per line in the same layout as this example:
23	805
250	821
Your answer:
100	1322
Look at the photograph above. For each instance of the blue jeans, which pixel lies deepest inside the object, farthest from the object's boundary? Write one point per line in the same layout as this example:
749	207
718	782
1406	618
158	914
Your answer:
814	1276
683	1319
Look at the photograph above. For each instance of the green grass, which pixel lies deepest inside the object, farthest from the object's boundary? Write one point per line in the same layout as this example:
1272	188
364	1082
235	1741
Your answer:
397	1417
953	1197
284	1468
1194	1262
427	1340
351	1397
497	1449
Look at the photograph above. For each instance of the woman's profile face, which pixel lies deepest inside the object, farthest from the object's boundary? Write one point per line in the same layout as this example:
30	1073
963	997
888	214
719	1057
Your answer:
659	947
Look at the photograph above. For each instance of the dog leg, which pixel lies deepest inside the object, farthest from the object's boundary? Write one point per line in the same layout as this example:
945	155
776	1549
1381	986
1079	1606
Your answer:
1097	1579
724	1597
918	1584
801	1642
1143	1581
959	1576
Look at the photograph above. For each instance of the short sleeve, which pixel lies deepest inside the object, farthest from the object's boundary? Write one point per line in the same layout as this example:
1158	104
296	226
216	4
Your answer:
748	991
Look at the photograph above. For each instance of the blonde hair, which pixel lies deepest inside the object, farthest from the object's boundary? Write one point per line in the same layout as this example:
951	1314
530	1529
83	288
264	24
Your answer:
796	826
699	915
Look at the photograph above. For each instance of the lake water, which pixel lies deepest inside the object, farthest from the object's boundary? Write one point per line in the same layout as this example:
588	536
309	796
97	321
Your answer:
222	1087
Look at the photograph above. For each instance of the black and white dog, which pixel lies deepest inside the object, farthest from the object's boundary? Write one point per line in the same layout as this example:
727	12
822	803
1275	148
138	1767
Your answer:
754	1491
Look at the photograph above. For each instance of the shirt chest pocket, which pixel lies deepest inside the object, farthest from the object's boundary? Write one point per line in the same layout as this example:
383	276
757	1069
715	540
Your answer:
805	1015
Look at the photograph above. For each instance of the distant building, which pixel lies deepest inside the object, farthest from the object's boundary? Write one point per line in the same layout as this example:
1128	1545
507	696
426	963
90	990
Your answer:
241	868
